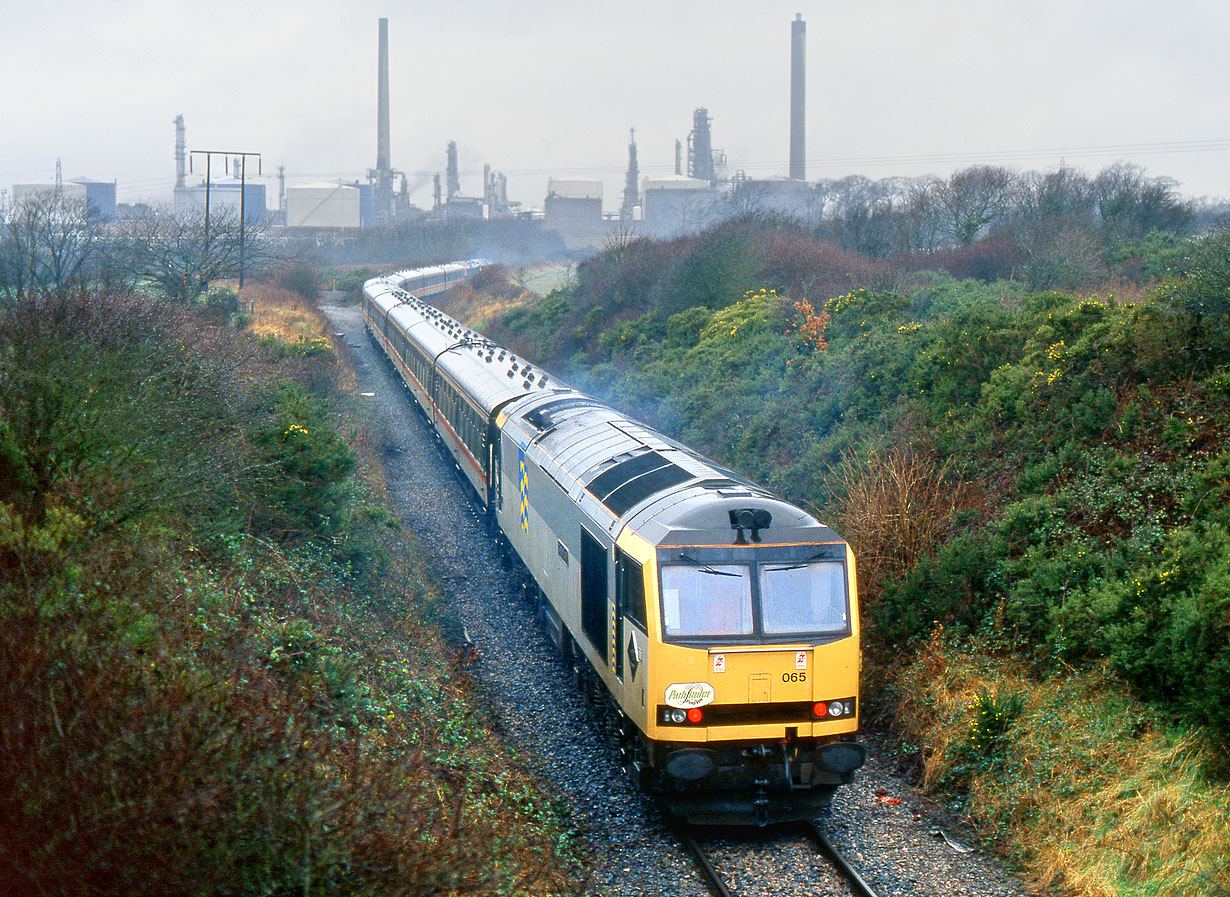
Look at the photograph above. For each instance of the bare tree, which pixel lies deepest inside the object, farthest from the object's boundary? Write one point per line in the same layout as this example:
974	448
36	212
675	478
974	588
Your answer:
1063	193
1131	204
860	213
975	199
48	245
181	257
922	227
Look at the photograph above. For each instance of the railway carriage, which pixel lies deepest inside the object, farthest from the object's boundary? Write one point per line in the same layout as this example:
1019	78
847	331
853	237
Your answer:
715	624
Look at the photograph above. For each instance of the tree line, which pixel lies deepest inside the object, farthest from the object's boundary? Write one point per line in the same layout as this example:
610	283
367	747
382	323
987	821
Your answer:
1061	227
50	245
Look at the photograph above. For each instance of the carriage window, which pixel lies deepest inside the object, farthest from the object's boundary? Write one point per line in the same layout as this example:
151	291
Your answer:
707	600
803	598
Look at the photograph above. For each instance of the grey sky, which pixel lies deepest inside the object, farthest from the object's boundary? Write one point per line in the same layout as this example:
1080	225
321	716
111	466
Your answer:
551	88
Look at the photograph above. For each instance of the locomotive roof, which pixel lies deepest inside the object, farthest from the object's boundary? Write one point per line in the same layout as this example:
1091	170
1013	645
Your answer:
624	473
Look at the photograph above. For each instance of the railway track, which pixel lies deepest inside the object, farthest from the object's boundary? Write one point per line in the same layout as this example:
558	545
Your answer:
809	831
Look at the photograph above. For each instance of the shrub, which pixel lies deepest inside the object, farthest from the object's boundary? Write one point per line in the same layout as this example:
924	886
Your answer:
1165	624
300	277
302	487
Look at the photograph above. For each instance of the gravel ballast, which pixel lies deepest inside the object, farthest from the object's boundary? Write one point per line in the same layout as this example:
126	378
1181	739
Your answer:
897	846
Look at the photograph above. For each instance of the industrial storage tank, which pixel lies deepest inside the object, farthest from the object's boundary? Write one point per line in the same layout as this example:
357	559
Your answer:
327	204
676	204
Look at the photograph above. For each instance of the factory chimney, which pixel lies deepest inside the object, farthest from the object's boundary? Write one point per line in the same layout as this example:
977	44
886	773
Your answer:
181	152
798	150
383	173
451	173
632	193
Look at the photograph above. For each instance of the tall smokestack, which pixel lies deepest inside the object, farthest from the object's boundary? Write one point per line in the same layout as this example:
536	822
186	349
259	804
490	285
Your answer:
382	101
383	172
798	61
181	152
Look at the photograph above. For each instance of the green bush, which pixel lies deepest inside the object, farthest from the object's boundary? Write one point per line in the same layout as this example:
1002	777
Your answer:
303	482
1165	624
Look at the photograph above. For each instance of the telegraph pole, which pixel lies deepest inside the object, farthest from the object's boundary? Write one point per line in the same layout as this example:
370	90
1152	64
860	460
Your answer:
242	164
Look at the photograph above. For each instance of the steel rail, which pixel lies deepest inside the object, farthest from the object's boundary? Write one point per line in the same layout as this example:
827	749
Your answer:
712	876
857	884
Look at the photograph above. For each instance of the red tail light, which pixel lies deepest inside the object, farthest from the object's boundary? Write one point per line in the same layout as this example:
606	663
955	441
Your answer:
819	709
695	715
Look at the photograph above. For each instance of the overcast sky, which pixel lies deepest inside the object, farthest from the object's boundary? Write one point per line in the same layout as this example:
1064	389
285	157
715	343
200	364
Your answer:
550	88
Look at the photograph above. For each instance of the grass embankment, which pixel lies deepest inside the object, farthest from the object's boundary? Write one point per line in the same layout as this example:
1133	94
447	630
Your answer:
1069	775
219	666
1047	475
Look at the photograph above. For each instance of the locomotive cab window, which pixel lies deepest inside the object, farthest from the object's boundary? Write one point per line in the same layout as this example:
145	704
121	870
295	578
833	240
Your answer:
806	597
707	600
631	585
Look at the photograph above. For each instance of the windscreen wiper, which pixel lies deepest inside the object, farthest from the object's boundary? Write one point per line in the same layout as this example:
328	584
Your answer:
705	568
796	566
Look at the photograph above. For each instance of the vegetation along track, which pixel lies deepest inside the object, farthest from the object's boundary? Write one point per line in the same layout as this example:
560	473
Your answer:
535	703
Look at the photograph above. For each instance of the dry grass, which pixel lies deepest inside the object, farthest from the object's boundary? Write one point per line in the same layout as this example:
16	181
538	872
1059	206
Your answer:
477	305
542	279
282	313
896	507
1090	794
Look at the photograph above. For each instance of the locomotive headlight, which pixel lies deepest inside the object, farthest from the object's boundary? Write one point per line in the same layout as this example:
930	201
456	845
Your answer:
677	716
836	708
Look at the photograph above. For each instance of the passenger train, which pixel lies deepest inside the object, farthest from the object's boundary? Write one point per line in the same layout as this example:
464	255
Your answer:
714	624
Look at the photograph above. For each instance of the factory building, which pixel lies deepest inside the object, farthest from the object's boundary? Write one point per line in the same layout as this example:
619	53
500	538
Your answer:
676	204
98	196
224	193
332	204
466	208
573	208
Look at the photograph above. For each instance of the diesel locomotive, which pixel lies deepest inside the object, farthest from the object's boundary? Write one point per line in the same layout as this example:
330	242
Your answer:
714	624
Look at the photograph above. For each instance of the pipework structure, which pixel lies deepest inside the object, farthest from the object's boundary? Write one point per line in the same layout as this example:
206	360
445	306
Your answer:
700	148
632	192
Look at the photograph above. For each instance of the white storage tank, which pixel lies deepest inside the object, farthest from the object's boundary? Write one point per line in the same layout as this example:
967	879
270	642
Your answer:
324	204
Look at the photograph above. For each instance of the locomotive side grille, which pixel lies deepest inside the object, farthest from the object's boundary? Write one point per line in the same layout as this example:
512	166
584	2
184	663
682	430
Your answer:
631	482
636	491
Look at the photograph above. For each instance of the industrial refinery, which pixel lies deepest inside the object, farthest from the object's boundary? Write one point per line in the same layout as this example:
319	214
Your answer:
702	189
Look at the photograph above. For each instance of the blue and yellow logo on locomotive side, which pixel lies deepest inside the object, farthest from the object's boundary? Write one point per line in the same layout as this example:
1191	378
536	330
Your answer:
523	485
